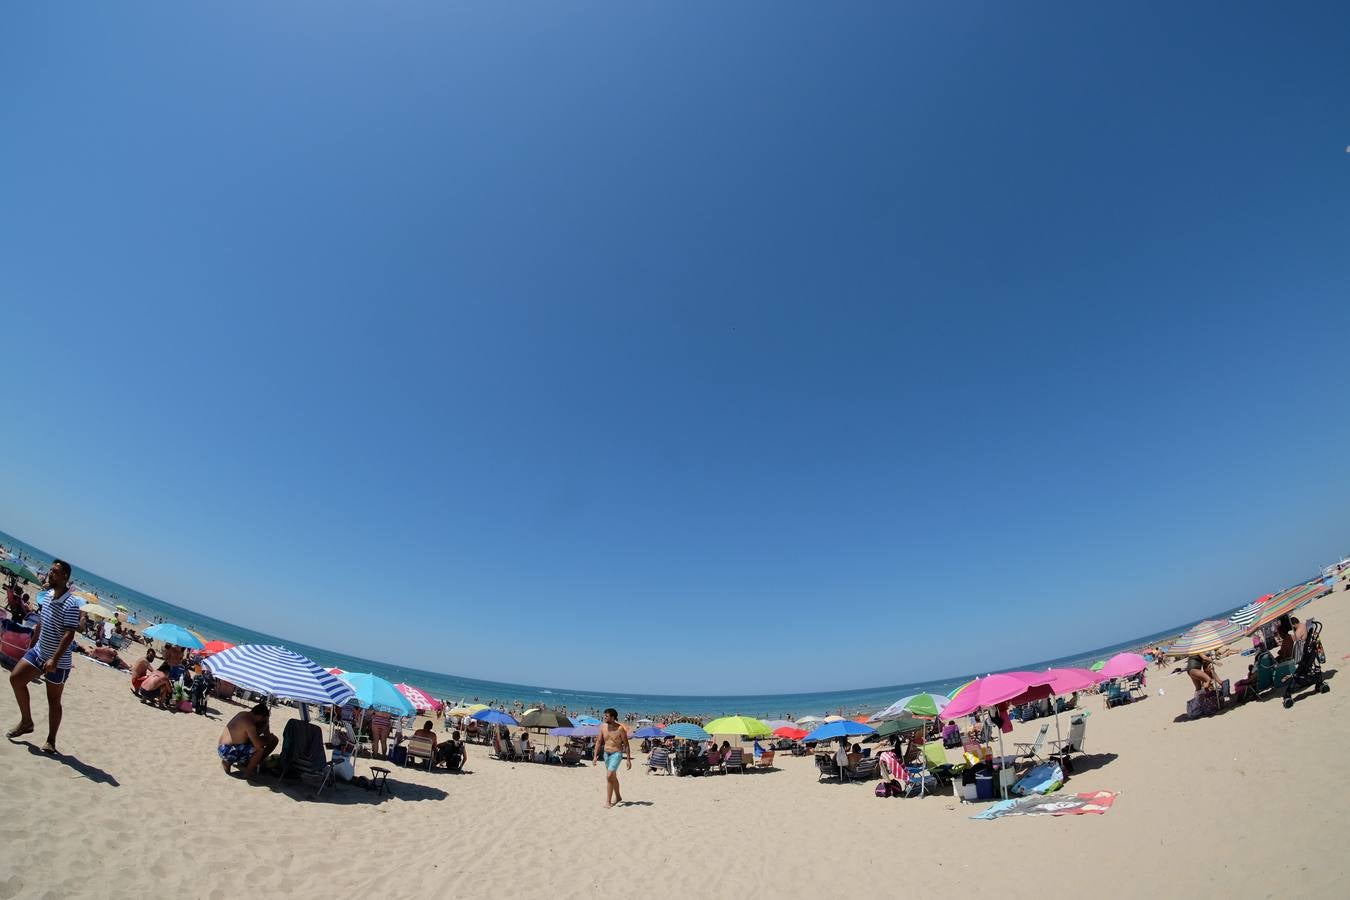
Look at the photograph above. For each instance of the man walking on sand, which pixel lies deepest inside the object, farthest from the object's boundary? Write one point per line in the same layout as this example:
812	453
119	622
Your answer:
614	742
49	654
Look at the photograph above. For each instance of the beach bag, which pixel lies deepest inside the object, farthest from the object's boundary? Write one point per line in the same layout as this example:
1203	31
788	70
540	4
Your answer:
889	789
398	756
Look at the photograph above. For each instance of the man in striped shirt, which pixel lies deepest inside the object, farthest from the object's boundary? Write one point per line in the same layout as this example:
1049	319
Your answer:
49	654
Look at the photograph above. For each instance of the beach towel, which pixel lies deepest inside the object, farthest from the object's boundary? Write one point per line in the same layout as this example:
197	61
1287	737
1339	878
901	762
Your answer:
1042	779
1095	802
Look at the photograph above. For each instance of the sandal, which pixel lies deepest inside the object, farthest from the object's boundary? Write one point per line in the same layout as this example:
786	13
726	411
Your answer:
18	731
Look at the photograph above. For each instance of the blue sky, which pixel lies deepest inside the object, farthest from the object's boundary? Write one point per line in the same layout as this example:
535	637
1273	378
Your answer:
900	339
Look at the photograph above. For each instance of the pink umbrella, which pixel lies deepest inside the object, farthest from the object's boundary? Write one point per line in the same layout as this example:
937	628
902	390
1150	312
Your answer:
1066	681
418	697
1122	665
992	690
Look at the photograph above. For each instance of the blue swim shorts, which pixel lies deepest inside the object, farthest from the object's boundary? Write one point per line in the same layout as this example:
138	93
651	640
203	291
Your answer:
613	759
55	676
236	754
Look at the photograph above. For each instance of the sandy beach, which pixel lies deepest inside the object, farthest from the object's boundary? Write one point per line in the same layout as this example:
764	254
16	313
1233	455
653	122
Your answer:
1243	804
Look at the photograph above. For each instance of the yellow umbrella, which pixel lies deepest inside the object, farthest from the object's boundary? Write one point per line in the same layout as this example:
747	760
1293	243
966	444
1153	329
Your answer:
467	710
123	608
91	598
95	611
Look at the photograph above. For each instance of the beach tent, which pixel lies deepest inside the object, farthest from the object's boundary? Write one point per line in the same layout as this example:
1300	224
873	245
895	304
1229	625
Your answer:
178	636
1208	635
278	672
738	725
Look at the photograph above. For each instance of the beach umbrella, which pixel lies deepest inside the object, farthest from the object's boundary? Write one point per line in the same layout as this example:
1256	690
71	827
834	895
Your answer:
1247	615
841	728
930	705
122	608
1066	681
494	717
587	720
576	731
1122	665
420	699
644	721
337	671
86	596
833	719
792	734
177	635
809	720
373	692
278	672
214	647
96	611
775	724
687	730
992	690
544	717
1283	603
649	731
1208	635
19	570
740	725
467	710
901	725
1097	666
951	695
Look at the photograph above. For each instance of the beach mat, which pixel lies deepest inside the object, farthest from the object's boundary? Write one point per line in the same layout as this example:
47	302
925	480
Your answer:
1095	803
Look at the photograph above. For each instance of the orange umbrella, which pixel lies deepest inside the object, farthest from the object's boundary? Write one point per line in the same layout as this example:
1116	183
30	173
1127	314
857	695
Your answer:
862	719
214	647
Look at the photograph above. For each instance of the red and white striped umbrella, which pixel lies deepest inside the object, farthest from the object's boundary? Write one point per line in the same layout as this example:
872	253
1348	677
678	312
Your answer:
418	697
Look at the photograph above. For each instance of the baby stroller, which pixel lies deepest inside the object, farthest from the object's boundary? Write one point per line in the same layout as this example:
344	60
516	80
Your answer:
1309	658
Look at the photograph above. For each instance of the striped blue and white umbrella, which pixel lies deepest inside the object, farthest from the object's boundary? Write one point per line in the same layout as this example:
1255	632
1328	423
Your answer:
278	672
1247	615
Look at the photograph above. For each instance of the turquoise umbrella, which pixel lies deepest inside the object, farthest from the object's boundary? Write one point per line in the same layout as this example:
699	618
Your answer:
373	692
177	635
688	731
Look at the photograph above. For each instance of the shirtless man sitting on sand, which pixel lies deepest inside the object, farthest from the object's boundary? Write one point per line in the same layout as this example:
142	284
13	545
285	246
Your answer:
245	741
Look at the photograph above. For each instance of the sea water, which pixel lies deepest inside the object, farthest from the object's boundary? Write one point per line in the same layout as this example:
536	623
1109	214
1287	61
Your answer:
458	688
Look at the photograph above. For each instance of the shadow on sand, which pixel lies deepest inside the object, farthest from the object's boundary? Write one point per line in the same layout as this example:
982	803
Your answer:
345	794
93	773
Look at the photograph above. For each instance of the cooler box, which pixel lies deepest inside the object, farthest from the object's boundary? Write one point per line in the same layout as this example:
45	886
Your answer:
984	786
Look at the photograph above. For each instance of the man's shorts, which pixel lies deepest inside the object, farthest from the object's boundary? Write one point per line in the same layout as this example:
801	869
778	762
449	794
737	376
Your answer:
612	760
236	754
55	676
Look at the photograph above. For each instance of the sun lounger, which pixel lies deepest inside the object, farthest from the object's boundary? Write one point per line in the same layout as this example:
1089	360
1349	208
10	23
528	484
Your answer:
765	760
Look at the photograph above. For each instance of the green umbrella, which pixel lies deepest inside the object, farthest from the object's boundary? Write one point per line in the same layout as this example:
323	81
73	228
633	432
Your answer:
543	717
742	725
899	726
19	570
1097	666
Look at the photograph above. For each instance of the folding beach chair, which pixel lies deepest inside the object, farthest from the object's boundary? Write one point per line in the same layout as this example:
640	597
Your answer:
1032	750
735	759
659	762
302	754
420	747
